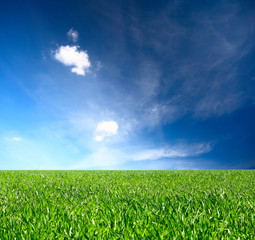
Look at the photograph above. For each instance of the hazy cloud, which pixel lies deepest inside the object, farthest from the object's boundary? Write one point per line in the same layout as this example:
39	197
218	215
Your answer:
102	158
73	35
15	139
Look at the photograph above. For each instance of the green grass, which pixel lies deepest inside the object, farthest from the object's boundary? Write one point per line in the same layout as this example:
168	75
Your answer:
127	204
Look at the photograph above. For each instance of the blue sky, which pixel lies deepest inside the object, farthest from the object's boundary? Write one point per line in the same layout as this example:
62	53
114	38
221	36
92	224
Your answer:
127	84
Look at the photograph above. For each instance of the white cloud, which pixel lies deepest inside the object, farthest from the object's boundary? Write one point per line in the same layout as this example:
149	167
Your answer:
105	129
73	35
173	152
72	56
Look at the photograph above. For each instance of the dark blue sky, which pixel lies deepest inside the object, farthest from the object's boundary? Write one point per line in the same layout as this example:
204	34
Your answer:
127	84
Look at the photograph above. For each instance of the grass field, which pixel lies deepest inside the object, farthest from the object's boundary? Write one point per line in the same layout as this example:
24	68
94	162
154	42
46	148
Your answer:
127	204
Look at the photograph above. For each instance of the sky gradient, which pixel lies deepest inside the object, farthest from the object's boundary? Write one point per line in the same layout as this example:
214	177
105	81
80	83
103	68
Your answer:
127	85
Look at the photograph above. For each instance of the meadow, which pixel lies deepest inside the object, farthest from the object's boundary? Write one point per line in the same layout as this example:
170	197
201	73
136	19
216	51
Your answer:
197	204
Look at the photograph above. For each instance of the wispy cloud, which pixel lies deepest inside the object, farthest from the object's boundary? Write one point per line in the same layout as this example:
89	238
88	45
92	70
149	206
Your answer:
73	35
168	83
204	80
173	152
108	157
72	56
105	129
